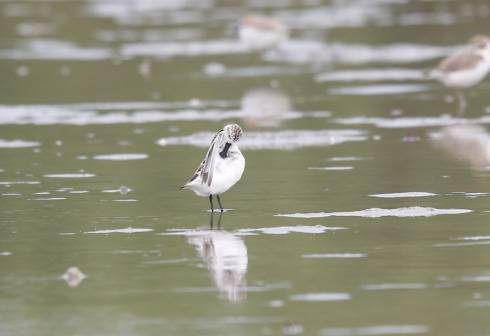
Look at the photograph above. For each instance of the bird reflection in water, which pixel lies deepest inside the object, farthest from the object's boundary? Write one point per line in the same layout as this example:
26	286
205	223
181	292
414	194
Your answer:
225	256
468	143
265	107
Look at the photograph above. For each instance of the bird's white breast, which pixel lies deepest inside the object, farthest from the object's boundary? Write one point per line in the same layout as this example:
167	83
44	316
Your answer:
467	77
226	173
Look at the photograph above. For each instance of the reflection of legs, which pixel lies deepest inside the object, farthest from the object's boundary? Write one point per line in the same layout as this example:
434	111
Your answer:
462	102
219	221
212	211
219	202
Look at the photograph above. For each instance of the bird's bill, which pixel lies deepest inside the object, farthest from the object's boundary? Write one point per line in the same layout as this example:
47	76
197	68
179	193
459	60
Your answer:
224	152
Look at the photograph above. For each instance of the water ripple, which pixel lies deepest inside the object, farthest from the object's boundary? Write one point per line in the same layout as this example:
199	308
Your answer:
415	211
121	156
18	143
285	140
125	230
404	194
376	330
320	297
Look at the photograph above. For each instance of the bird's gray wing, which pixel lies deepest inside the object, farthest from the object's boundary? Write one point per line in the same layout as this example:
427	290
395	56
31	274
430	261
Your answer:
206	168
462	60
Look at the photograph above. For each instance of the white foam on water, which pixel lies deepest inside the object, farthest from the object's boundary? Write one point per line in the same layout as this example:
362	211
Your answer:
47	199
184	48
479	303
410	122
476	194
78	191
474	238
123	190
18	182
476	278
388	286
42	193
166	261
125	230
284	140
321	297
331	168
129	113
18	143
345	158
184	232
356	14
334	255
64	189
258	71
371	75
143	12
415	211
32	109
376	330
308	52
380	89
404	194
268	287
420	18
121	156
11	194
70	175
280	230
51	49
5	254
67	233
125	200
136	252
463	244
219	210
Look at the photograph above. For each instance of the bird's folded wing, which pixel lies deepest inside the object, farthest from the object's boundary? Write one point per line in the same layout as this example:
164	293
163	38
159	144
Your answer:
462	60
208	169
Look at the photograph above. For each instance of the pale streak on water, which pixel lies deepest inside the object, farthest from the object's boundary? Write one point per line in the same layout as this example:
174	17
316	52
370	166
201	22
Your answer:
107	107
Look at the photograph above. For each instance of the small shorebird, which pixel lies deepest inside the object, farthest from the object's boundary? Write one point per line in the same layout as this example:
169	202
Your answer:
261	32
221	168
465	68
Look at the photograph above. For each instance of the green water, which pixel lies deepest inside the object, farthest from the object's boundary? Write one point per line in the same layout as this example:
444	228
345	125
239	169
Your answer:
76	85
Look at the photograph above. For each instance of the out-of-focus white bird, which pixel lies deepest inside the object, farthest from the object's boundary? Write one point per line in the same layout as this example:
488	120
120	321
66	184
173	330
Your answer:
466	67
262	32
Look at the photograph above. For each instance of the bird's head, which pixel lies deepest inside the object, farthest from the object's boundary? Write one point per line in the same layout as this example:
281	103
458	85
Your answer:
232	133
480	41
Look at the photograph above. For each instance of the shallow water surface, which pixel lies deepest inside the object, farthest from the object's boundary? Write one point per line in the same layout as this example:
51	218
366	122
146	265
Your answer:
363	209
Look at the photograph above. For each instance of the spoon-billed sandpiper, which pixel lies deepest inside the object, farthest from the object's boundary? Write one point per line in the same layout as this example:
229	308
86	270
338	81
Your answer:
221	168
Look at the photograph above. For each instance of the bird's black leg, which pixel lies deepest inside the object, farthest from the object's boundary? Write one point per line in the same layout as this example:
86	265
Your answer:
212	211
219	202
